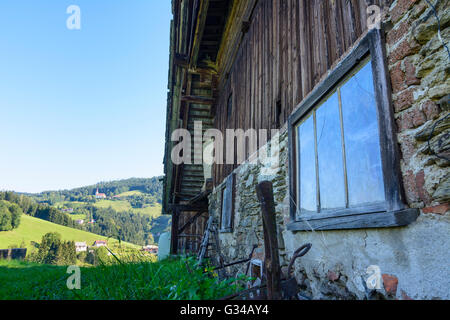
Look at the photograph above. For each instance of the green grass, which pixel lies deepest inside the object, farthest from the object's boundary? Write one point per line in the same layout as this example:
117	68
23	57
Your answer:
78	216
123	205
32	229
170	279
118	205
153	211
130	193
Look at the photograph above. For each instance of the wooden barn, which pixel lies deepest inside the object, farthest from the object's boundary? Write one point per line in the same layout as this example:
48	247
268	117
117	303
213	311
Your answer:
344	88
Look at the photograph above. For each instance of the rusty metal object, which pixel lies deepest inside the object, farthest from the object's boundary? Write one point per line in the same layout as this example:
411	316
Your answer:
240	261
290	286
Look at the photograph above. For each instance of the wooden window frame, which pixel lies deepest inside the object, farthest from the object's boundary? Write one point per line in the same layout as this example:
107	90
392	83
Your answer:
394	212
229	184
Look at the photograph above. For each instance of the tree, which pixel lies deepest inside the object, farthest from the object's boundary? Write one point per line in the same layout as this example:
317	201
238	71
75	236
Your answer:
16	213
9	215
49	249
66	253
53	250
5	216
102	255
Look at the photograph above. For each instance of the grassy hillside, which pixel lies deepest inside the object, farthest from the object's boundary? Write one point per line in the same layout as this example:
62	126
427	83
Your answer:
153	211
32	229
130	208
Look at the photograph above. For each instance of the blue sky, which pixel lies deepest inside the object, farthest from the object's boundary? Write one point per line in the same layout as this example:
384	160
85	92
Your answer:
82	106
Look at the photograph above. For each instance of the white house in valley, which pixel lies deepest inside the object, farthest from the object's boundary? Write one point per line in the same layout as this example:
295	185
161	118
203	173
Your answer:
80	246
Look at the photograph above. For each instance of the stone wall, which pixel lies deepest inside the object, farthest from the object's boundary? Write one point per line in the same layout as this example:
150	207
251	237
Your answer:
413	260
247	225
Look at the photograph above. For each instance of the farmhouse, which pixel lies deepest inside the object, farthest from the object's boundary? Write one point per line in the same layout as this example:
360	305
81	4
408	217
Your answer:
100	243
150	248
342	107
80	246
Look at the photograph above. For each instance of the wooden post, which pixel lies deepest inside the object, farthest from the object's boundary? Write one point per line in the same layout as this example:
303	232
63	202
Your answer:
174	242
272	268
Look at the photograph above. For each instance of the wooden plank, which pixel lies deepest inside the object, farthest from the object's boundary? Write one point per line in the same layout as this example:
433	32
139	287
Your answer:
226	224
174	235
390	153
200	26
197	99
359	221
190	222
272	267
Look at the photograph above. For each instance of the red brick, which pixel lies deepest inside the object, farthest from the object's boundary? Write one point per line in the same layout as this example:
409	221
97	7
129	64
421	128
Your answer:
408	148
410	74
439	209
420	184
404	49
409	184
396	34
400	8
431	110
390	283
397	78
411	119
404	100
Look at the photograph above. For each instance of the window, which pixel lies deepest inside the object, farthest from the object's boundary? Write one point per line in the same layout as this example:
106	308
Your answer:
343	158
227	212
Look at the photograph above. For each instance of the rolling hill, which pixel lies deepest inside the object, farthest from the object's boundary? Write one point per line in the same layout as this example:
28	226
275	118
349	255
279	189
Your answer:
129	208
32	229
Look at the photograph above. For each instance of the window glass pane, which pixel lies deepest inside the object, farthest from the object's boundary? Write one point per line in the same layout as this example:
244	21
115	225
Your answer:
362	145
329	149
307	166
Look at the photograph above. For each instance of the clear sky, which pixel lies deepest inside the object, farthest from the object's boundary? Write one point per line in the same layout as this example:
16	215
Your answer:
82	106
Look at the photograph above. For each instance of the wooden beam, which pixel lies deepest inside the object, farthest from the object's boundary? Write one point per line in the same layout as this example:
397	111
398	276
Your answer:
197	100
200	27
181	60
358	221
174	237
191	221
272	267
187	207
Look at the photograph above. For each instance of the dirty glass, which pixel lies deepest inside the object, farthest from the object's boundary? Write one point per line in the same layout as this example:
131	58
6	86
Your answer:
307	166
330	158
362	142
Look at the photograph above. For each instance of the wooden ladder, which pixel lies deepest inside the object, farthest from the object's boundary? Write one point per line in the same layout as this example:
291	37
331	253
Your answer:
210	247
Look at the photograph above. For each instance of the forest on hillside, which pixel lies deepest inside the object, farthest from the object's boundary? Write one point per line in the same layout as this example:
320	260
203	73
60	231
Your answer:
133	216
148	186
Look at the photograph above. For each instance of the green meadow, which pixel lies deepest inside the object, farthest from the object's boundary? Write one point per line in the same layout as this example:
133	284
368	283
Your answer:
32	229
123	205
169	279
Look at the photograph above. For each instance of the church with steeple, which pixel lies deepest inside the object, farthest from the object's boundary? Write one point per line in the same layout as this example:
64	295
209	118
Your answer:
99	195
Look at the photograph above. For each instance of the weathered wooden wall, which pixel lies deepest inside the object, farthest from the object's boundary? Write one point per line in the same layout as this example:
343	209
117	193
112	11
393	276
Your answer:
290	45
189	240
